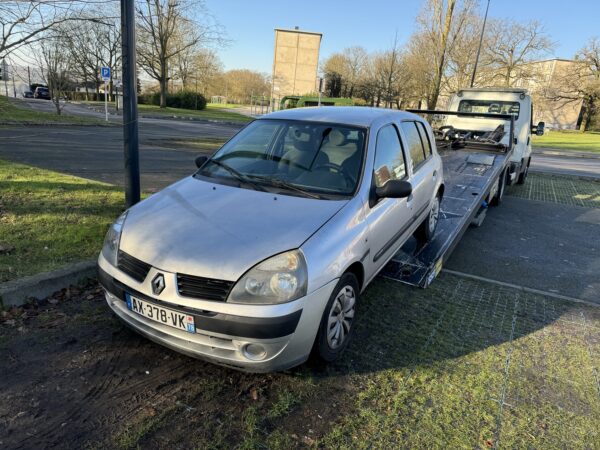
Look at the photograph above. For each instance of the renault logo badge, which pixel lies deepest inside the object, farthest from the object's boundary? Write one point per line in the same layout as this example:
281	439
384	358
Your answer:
158	284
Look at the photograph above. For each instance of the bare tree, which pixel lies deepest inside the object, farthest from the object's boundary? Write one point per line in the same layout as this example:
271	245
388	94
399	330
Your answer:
441	25
167	29
511	45
25	22
56	65
581	82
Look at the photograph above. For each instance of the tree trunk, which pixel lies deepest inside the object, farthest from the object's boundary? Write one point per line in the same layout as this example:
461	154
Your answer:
163	92
443	44
587	117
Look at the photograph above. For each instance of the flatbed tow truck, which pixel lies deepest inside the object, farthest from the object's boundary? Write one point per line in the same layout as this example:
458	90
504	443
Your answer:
477	168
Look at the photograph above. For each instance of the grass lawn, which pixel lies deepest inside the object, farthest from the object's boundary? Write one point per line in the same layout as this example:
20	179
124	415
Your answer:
569	140
51	219
10	114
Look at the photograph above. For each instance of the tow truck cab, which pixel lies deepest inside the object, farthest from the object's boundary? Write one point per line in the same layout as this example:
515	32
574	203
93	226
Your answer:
498	101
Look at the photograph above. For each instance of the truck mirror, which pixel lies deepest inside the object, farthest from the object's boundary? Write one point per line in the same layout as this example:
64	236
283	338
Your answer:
539	130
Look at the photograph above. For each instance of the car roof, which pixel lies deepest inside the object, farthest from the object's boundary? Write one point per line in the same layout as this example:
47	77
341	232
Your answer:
348	115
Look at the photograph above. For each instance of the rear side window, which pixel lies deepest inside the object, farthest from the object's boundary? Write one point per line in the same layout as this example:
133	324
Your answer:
413	141
389	159
425	138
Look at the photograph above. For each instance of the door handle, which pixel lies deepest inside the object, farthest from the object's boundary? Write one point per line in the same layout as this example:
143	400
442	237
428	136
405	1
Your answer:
434	174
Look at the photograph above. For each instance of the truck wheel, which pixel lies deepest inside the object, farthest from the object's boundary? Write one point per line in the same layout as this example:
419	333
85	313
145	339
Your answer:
427	229
523	175
336	327
497	200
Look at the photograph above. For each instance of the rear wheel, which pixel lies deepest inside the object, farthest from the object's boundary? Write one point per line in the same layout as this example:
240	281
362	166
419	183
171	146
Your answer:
501	188
523	175
336	327
427	229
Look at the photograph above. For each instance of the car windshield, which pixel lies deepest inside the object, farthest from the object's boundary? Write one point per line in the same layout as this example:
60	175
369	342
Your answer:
490	107
301	158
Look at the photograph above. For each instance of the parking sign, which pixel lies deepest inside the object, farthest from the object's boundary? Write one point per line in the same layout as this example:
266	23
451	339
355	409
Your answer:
105	73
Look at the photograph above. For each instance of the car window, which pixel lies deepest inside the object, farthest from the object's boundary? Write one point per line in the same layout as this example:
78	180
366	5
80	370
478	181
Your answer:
319	157
490	107
424	138
389	158
413	142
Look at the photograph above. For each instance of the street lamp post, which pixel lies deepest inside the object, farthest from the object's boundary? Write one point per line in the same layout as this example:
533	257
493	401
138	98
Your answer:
480	42
130	116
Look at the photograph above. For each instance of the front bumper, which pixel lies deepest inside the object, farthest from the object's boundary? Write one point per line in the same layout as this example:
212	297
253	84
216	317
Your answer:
223	331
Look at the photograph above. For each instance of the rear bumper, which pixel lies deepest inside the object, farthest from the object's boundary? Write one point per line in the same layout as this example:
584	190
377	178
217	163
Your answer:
222	338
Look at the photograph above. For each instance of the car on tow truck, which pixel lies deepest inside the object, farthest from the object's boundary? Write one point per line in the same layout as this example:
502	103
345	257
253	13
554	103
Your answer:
258	259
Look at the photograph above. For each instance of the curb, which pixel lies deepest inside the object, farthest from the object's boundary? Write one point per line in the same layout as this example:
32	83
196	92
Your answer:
548	151
42	285
565	174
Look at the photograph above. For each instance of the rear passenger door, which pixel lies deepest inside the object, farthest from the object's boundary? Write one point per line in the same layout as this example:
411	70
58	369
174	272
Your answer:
422	164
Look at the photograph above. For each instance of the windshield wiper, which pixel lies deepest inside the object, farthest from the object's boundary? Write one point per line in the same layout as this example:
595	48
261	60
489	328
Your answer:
237	175
277	182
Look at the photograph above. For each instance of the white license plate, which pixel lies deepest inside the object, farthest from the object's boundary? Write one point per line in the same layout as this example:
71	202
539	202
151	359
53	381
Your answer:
162	315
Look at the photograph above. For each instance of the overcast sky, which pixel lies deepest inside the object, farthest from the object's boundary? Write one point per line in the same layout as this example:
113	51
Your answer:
372	24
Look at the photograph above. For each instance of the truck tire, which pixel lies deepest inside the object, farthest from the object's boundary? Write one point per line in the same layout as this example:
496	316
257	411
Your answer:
426	230
523	175
336	328
497	200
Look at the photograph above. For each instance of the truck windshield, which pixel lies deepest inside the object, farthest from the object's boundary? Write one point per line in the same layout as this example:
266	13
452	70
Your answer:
490	107
294	156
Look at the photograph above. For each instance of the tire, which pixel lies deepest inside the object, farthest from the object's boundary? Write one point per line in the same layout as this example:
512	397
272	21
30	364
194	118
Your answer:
497	200
338	315
426	230
523	175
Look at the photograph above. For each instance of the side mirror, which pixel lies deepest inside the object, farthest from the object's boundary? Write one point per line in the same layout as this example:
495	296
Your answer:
200	160
539	129
394	189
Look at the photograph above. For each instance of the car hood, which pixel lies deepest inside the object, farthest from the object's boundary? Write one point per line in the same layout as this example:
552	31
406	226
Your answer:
217	231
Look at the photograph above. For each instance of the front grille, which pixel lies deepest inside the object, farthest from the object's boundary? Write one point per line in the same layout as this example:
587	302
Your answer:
133	267
203	288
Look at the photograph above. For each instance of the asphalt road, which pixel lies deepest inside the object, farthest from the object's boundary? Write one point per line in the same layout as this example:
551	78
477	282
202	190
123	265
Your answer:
540	245
561	165
97	152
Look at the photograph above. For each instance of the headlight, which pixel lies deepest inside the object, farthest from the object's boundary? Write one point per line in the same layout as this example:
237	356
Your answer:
279	279
110	248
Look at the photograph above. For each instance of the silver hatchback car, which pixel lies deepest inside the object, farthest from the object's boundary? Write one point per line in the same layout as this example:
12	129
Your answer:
258	259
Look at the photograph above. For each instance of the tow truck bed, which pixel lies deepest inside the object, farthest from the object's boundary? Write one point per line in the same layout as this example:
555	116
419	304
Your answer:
469	176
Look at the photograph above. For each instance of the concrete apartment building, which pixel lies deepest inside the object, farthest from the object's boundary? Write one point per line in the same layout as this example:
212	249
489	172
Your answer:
544	80
295	62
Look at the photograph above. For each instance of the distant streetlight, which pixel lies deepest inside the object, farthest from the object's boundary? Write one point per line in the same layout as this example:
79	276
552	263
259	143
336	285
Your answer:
480	42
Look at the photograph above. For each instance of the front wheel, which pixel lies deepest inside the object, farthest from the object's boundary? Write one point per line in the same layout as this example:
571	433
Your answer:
336	328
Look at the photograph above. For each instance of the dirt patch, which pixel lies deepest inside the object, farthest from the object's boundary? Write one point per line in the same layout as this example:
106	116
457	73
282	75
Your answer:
75	377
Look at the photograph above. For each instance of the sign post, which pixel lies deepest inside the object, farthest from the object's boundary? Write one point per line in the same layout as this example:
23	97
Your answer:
105	74
130	116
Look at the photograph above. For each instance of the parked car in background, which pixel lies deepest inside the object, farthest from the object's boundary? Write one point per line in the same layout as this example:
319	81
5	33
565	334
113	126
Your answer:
42	92
260	257
27	94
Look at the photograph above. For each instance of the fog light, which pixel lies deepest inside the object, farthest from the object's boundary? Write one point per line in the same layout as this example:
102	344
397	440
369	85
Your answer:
255	352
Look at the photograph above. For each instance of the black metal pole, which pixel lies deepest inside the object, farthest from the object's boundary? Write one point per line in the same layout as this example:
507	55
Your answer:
480	42
130	116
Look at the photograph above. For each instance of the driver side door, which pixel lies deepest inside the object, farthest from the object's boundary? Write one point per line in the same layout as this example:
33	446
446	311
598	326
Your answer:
389	219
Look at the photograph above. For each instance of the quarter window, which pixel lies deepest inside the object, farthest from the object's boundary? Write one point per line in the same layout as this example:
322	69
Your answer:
413	141
389	159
